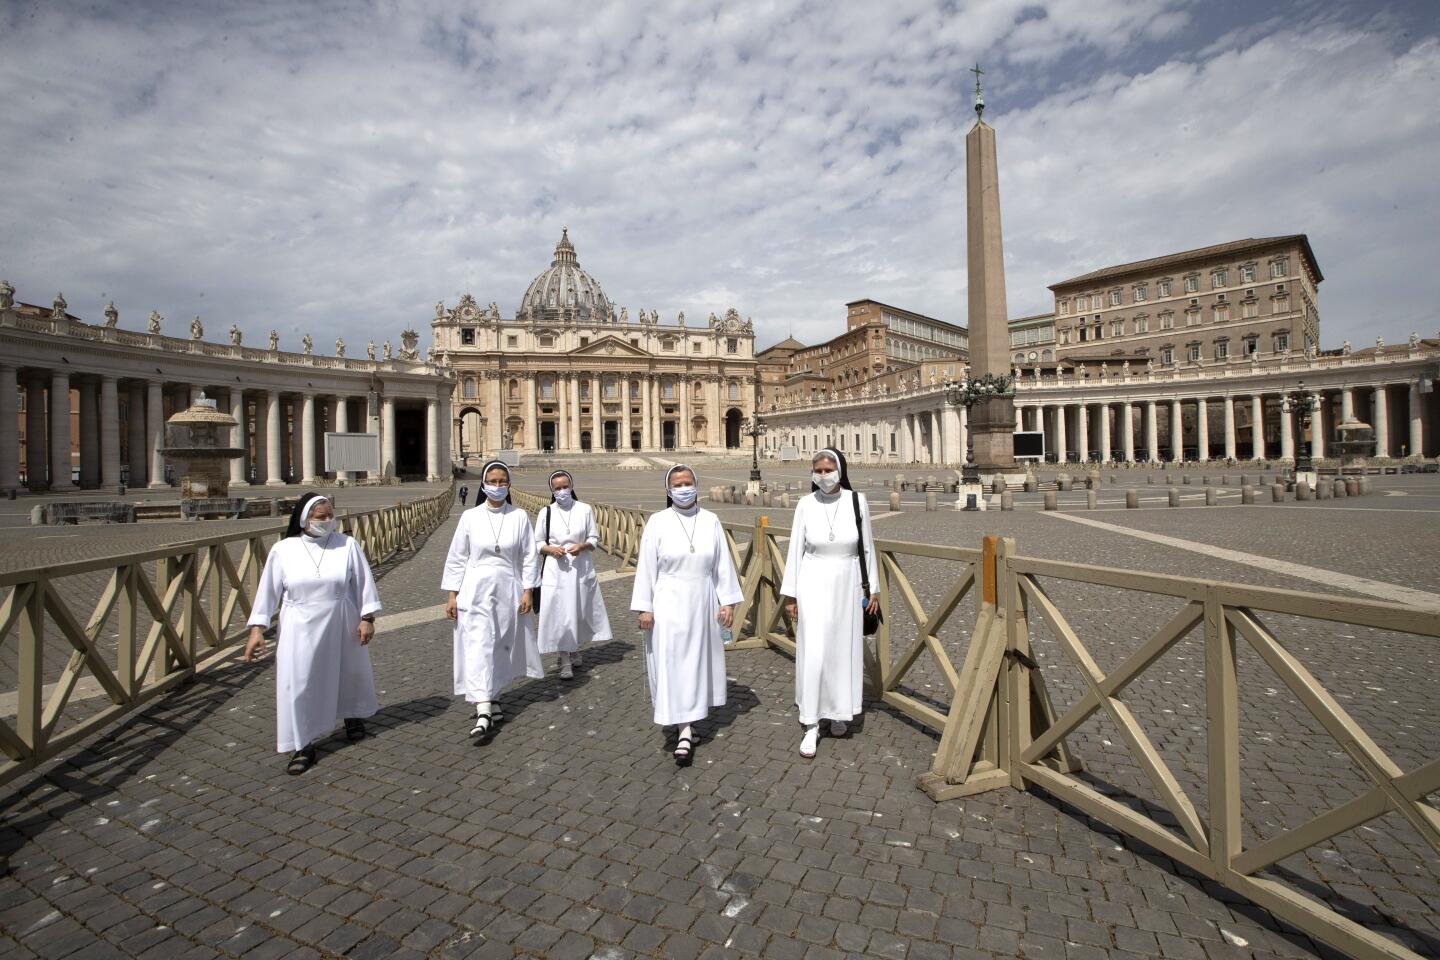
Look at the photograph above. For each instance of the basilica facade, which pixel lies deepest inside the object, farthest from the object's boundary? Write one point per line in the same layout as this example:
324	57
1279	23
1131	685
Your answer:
570	372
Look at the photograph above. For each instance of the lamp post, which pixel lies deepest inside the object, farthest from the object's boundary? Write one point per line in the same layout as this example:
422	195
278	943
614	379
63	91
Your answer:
967	394
1303	405
754	428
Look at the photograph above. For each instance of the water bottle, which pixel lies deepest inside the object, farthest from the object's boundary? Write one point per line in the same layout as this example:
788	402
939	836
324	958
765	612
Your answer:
727	636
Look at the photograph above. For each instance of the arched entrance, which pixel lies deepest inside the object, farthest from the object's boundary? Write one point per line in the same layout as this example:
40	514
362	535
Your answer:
732	428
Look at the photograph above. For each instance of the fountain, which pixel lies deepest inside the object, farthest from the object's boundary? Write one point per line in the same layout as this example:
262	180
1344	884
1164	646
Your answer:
1356	445
193	445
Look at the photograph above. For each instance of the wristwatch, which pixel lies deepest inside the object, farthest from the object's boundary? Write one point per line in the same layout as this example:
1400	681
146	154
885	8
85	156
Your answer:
368	618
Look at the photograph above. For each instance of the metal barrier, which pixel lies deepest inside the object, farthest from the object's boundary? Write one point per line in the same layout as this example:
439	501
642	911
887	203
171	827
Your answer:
172	611
1000	729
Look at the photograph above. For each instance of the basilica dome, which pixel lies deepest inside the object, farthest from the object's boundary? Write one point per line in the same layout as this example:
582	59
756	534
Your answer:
564	292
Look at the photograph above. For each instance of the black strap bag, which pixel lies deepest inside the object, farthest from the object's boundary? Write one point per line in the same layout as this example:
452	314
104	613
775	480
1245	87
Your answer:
535	593
872	620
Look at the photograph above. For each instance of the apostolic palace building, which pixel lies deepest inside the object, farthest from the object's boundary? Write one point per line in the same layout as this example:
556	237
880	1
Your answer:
1196	355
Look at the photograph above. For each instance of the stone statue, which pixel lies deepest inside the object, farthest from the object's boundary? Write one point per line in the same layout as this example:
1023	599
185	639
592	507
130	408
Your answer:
112	315
370	350
339	347
1379	344
439	309
713	319
197	329
307	344
235	335
274	340
385	347
7	295
494	311
681	318
1414	339
1345	348
155	319
1125	369
430	354
409	340
57	309
624	314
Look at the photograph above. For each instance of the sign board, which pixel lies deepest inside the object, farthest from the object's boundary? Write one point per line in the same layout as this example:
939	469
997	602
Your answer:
352	451
789	452
511	457
1029	445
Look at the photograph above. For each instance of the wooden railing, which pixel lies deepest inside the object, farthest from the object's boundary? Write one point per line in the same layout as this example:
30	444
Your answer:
999	728
170	611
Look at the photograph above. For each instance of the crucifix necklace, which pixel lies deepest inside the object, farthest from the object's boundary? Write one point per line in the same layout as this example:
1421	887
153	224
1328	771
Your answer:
494	530
689	534
312	558
831	519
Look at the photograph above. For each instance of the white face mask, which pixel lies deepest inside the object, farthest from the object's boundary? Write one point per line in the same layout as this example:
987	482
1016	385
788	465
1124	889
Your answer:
682	496
563	497
827	482
321	528
496	493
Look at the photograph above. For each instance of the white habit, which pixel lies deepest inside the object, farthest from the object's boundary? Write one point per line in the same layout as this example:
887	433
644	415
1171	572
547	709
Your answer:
322	673
823	575
490	563
572	612
684	656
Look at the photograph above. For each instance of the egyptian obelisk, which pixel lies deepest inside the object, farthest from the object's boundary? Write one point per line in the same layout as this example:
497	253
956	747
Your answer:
992	421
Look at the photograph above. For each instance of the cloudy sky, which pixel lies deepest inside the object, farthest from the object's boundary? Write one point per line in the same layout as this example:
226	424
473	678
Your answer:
337	167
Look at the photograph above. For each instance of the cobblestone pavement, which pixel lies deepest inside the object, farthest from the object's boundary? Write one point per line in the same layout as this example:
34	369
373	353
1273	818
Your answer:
573	834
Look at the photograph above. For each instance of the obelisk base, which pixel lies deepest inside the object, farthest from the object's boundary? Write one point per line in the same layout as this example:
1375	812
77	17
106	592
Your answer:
992	435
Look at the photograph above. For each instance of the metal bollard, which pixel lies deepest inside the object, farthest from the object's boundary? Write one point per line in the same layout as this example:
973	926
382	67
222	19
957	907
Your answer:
1174	496
1340	490
929	501
1277	493
1007	500
1352	487
894	501
1247	494
1050	498
1091	499
1209	496
1132	499
1302	491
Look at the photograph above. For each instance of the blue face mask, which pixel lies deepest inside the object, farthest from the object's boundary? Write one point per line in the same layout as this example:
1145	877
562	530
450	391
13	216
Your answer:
683	496
563	497
497	493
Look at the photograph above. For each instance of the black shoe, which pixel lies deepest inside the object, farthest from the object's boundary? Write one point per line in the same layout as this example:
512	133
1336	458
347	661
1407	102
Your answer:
301	760
354	729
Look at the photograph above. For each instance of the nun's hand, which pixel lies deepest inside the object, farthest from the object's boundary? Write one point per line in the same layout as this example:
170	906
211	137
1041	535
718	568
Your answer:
726	616
874	604
364	632
255	646
575	548
792	608
525	603
647	621
452	607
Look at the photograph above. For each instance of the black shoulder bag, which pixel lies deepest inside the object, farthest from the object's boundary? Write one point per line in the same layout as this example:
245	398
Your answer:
872	620
535	593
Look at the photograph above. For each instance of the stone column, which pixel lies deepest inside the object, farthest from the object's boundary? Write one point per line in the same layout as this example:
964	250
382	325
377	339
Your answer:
239	437
1105	413
274	441
109	433
297	438
307	439
36	444
138	460
387	436
1257	427
562	411
1381	417
1127	432
954	448
1062	454
89	434
60	462
155	431
1152	432
682	384
1317	428
1347	405
1416	447
9	429
597	413
1177	432
342	425
1287	434
1082	433
964	416
1202	428
432	440
644	411
1230	428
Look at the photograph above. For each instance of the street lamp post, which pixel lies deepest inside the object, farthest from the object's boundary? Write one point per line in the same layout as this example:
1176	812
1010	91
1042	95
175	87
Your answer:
1303	405
967	394
754	429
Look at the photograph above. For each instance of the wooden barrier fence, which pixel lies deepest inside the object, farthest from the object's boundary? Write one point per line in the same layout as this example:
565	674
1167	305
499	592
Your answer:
173	611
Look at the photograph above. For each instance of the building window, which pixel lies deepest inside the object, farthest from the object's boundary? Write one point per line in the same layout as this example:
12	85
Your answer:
469	392
584	389
1064	308
667	389
1219	278
514	390
1282	342
1114	298
1194	353
1279	268
547	340
635	342
1117	328
1247	273
584	341
732	345
1192	318
1222	313
668	345
1162	289
1222	350
1167	320
1250	309
1192	283
1142	324
634	390
467	336
1251	345
612	390
512	341
1084	332
1167	356
1140	293
734	390
1282	305
547	388
695	346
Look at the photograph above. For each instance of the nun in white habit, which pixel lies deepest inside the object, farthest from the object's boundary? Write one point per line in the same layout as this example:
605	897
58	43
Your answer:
572	611
685	591
824	596
321	582
489	573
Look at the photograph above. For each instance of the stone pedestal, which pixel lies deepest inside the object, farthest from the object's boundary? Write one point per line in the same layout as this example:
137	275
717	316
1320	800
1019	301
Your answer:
992	430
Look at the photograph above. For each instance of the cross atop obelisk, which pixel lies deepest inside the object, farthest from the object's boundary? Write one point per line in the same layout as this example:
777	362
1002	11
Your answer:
992	421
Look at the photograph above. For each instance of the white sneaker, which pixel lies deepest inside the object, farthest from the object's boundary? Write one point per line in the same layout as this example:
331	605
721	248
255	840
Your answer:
808	742
566	672
838	728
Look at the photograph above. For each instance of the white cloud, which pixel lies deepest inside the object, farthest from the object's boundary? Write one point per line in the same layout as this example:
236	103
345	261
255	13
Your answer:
339	168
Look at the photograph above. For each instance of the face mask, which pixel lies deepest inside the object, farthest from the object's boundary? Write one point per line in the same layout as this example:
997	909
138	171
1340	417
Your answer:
497	493
827	482
320	528
563	497
682	496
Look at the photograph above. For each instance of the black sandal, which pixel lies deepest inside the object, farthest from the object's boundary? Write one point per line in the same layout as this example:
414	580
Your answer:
354	729
684	751
484	727
300	761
